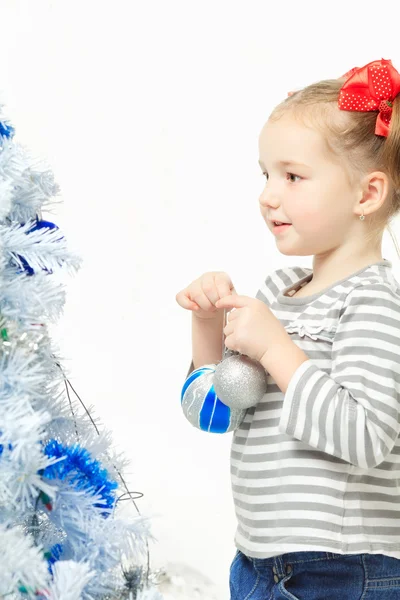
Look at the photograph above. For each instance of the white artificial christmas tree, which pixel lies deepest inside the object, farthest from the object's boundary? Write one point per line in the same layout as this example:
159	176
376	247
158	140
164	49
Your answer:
62	535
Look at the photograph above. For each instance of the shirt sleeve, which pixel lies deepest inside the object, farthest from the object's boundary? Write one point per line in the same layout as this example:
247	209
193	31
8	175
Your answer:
352	412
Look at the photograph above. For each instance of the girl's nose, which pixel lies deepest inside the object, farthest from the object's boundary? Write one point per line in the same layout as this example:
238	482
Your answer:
269	199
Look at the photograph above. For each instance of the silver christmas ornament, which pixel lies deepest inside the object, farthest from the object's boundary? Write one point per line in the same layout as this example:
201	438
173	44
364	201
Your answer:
239	381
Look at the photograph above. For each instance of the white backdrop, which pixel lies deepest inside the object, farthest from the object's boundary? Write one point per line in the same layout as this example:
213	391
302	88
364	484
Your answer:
149	114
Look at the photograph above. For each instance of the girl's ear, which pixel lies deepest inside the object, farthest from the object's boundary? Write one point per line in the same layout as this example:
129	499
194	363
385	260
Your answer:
375	189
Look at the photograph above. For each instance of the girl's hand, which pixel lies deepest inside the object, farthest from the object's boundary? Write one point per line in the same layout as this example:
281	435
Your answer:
201	295
252	328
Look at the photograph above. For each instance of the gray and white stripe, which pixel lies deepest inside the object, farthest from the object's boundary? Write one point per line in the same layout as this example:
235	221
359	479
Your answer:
318	468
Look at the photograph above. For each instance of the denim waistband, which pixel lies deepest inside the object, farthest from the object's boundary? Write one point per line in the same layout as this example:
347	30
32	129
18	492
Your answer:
298	557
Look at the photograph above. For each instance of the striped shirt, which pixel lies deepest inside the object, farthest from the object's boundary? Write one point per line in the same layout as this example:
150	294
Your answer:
318	468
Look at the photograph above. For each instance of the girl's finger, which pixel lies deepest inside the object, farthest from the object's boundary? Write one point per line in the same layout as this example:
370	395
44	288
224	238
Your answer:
224	290
228	329
232	301
232	314
190	305
186	302
203	301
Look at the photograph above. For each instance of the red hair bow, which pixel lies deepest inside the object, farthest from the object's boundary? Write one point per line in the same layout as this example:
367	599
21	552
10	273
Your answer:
373	87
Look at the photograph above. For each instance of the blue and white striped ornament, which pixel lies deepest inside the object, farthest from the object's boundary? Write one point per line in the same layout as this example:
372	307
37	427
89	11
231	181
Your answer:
202	407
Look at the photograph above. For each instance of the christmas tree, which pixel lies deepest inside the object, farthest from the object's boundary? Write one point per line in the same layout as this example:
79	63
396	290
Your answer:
62	533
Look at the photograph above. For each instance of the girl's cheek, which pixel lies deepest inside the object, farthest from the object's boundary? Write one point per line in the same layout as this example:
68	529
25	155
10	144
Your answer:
303	213
310	221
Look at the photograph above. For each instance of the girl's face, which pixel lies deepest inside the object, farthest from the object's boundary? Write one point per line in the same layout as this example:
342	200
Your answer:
304	186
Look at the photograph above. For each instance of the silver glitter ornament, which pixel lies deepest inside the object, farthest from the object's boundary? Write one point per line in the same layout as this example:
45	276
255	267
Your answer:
239	381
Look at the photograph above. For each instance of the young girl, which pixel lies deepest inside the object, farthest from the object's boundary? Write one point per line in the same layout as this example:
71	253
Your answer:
316	464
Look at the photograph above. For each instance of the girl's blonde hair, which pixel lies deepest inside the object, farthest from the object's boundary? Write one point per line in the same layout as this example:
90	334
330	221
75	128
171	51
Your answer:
350	135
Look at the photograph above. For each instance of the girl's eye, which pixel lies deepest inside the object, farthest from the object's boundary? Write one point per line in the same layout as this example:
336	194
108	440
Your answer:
289	174
292	175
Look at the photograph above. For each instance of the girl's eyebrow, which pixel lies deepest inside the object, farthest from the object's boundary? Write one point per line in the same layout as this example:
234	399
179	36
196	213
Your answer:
285	163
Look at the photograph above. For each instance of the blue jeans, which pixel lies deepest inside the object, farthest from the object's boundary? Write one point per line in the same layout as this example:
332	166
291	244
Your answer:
315	576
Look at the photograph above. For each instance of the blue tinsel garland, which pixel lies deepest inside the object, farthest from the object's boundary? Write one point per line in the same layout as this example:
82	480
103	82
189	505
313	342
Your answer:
6	130
80	470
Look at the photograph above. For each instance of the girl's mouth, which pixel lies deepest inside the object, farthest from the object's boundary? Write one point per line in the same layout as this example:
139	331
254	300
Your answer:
281	228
